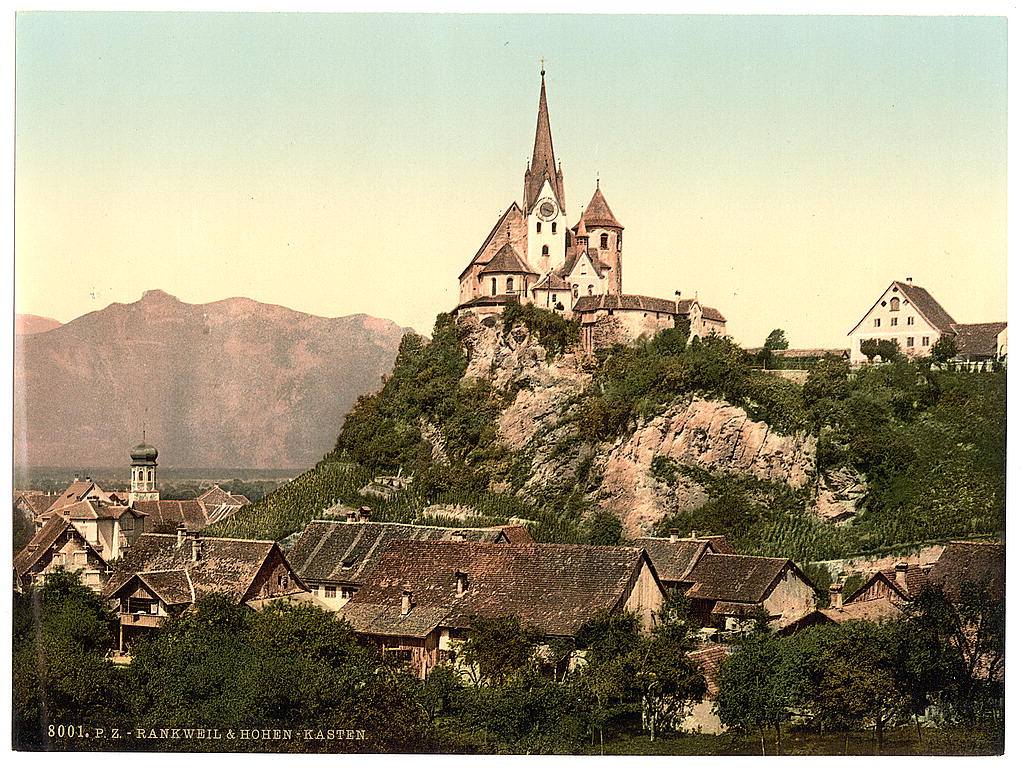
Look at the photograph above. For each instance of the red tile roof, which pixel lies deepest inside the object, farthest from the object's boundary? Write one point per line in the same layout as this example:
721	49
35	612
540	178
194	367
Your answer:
40	544
169	514
673	561
556	587
962	562
735	578
709	661
928	307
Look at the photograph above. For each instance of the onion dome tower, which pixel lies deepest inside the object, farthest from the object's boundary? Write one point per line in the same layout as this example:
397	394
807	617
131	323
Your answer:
143	473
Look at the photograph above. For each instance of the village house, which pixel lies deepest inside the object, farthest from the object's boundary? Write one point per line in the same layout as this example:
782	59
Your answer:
417	603
969	563
165	574
726	589
59	545
877	610
532	255
910	317
334	557
899	583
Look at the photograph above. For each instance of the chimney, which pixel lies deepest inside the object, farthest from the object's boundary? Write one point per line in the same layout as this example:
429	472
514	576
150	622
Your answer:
693	534
197	549
181	535
364	513
406	602
835	596
351	517
461	583
459	536
673	535
901	574
909	279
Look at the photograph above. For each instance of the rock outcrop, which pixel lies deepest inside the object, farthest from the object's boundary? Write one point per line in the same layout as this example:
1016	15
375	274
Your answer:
712	435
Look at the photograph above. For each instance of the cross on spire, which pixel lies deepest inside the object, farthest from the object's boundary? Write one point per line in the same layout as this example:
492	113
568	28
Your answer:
542	60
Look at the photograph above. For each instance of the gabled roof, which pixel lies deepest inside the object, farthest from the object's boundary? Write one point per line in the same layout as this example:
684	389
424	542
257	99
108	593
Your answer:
875	609
225	565
90	510
215	496
736	578
712	314
511	222
928	308
599	213
673	561
169	514
36	502
709	661
962	562
554	586
573	258
346	552
40	544
552	282
916	579
79	490
172	586
978	340
507	260
624	302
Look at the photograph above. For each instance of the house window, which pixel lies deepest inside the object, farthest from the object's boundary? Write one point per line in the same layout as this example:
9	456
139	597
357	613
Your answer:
925	341
545	251
604	240
400	655
910	342
347	593
894	341
590	289
895	304
554	227
878	322
618	241
329	592
910	320
894	322
554	298
538	226
141	607
494	286
509	285
313	588
575	290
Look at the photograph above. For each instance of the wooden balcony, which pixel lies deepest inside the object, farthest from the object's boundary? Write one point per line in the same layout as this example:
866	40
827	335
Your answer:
140	620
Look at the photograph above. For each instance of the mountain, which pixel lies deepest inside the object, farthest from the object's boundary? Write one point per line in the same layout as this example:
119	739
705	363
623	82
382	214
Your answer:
26	323
229	384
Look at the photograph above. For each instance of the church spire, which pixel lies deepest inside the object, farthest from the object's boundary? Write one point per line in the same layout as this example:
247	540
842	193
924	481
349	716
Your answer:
542	166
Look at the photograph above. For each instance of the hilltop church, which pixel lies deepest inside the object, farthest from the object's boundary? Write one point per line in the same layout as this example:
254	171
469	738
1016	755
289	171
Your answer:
532	255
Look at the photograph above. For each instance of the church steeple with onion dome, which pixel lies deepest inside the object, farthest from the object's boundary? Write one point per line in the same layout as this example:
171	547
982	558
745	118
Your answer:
143	486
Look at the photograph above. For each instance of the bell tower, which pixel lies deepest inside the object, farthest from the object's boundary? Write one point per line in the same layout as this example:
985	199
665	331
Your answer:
143	485
544	197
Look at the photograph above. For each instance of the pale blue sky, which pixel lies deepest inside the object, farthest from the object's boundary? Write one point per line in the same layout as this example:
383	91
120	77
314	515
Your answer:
787	168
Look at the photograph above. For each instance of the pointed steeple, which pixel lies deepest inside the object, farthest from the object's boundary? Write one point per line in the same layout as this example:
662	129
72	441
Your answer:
599	213
543	165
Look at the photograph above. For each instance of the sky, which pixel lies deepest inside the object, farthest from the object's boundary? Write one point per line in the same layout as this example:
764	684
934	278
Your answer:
783	169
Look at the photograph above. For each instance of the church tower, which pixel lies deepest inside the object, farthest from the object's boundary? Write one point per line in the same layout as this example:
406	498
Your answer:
544	198
143	485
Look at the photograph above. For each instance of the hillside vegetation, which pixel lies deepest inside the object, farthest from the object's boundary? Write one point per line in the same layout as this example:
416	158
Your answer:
931	445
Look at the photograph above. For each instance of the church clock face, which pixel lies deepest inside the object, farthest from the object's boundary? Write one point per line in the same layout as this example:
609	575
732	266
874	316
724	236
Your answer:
546	209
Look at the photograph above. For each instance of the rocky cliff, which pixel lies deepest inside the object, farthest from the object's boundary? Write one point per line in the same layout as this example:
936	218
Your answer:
709	434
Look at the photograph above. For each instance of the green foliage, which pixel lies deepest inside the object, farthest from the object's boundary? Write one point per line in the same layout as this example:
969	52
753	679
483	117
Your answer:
755	690
61	676
943	349
499	649
553	331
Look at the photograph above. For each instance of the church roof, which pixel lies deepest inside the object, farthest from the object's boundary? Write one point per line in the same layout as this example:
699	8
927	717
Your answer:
511	221
599	213
542	166
552	282
507	260
624	302
711	313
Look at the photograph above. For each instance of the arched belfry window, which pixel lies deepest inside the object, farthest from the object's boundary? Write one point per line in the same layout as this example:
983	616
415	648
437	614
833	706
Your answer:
604	240
509	285
894	304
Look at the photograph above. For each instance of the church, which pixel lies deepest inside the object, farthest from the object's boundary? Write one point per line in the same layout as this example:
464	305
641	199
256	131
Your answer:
532	255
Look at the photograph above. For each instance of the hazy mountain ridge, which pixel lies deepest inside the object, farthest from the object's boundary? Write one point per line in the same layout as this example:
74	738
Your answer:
229	383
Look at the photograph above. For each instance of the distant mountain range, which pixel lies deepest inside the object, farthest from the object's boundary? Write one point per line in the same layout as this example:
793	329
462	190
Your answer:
231	384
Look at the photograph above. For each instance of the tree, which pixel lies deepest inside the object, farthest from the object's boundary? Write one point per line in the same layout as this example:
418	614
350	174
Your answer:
753	686
668	679
776	340
869	348
497	649
889	351
943	350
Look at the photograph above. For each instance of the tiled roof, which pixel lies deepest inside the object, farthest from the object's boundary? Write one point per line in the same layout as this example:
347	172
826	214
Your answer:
874	609
225	565
215	496
983	564
95	510
507	261
599	213
168	514
79	490
173	586
515	533
510	222
551	282
556	587
928	307
735	578
978	340
40	543
712	314
496	300
672	561
325	547
624	302
37	502
709	661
